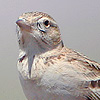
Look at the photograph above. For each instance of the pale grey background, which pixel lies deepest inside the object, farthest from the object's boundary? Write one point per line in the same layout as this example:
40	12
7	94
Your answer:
79	21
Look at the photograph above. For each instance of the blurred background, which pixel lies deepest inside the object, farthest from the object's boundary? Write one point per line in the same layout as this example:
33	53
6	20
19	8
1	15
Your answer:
79	22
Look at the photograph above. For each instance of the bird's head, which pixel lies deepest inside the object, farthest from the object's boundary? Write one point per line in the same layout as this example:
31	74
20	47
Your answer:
37	32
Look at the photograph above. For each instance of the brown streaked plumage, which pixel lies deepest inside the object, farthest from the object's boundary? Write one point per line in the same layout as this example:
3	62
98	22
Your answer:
47	69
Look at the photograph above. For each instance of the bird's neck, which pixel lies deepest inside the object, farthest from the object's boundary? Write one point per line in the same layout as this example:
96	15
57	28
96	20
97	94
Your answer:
36	47
30	57
30	52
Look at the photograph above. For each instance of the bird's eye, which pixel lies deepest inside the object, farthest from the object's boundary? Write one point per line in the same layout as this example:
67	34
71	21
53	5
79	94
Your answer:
46	23
43	25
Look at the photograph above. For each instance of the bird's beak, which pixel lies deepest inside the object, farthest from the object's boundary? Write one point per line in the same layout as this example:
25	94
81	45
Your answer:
23	25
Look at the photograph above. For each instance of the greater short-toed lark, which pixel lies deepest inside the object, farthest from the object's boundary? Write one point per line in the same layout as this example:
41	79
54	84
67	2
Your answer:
47	69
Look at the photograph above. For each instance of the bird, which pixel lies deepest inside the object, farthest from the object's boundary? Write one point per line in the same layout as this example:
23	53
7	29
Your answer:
48	70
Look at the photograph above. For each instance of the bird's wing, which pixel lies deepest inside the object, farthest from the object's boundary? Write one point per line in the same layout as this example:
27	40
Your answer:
72	72
93	77
90	71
